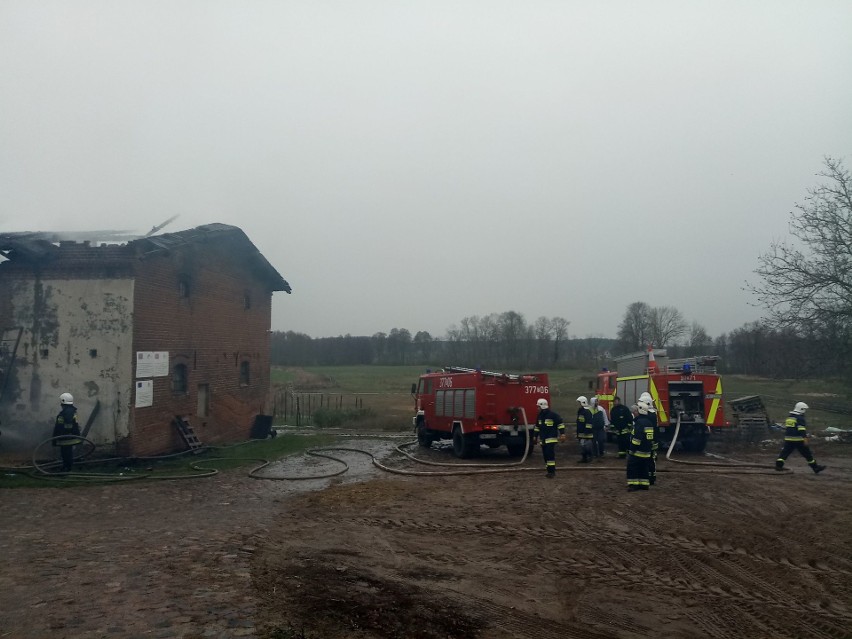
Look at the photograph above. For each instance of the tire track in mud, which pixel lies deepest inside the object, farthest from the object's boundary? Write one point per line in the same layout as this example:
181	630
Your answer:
830	608
755	593
736	585
713	625
776	628
751	602
523	624
663	540
711	546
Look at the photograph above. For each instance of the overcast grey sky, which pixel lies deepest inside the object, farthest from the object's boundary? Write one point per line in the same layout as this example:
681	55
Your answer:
408	164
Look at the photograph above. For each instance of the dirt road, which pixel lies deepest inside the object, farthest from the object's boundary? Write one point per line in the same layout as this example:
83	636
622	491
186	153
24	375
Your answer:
709	552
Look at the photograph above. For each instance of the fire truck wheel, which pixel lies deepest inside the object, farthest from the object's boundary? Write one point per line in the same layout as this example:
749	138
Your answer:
423	436
463	446
695	443
516	450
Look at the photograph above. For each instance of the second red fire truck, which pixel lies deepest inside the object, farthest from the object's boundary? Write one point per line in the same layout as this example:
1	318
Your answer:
473	407
687	389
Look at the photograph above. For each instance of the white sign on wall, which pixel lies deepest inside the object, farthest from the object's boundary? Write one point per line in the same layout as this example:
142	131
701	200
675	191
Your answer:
152	364
144	393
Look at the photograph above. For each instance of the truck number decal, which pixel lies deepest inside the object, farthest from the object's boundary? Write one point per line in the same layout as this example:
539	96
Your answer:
536	390
446	382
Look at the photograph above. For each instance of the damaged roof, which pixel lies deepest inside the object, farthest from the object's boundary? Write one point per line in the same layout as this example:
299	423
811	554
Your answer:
215	234
37	247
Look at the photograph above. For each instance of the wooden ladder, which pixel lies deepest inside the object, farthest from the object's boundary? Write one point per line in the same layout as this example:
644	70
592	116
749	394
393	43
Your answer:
188	435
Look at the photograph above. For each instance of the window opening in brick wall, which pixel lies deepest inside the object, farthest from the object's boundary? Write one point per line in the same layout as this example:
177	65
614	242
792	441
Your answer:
203	409
245	377
179	378
246	300
183	286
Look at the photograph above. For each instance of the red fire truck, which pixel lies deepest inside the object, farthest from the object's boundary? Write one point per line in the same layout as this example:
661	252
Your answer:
688	388
473	407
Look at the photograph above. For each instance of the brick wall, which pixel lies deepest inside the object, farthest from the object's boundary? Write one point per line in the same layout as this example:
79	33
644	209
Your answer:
206	306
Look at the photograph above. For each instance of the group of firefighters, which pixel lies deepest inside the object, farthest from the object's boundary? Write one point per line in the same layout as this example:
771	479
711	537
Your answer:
638	436
635	429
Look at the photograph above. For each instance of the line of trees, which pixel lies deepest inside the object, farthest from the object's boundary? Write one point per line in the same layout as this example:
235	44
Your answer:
498	340
512	344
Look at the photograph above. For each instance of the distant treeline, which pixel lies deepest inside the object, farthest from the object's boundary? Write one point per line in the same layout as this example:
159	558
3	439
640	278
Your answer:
752	349
297	349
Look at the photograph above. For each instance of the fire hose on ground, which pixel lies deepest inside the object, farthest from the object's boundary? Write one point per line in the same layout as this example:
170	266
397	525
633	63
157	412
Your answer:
45	470
462	468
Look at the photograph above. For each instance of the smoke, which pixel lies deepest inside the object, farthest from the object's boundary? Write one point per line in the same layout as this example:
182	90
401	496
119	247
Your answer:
22	440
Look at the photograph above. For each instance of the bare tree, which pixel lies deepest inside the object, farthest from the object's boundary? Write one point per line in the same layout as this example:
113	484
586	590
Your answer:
806	284
698	341
560	334
667	325
634	332
543	331
809	286
490	336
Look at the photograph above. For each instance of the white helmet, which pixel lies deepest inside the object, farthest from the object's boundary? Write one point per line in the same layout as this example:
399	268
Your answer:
66	398
644	406
646	397
594	401
800	408
583	401
542	404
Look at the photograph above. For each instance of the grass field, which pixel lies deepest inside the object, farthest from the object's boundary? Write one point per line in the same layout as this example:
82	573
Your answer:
386	390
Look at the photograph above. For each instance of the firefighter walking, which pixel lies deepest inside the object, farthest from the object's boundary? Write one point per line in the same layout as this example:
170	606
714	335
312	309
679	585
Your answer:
622	421
796	438
550	429
641	448
585	432
66	430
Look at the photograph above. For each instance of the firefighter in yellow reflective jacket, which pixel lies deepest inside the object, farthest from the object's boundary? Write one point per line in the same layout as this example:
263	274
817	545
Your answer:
641	449
796	438
548	427
66	430
585	430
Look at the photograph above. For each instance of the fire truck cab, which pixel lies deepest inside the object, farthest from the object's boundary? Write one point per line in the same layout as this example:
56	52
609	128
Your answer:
473	407
687	389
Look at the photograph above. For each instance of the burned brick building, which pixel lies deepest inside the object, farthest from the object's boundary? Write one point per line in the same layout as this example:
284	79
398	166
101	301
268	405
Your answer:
166	327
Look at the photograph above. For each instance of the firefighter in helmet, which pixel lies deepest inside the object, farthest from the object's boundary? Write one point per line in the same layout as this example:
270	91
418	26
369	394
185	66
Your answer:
796	438
652	415
622	421
641	448
585	432
599	423
550	428
66	430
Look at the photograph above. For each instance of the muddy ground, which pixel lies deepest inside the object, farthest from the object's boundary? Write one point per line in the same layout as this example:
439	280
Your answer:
710	551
